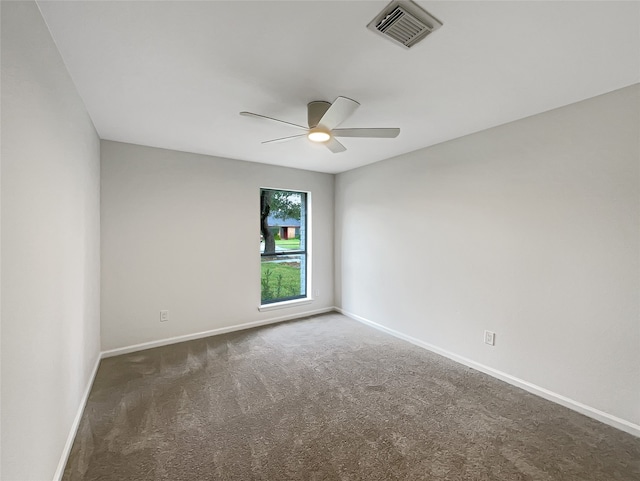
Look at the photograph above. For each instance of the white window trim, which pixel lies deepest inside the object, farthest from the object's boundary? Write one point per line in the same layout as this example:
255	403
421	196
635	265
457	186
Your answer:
284	304
303	300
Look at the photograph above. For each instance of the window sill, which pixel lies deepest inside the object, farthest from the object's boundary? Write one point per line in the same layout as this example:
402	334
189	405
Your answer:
285	304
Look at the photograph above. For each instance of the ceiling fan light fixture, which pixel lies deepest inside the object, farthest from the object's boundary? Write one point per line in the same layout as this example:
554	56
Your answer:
318	136
323	118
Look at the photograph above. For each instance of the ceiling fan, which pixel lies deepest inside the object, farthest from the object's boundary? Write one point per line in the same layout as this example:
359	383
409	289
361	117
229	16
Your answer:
323	118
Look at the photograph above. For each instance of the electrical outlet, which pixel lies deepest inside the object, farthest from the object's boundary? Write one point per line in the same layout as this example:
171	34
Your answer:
490	338
164	316
316	293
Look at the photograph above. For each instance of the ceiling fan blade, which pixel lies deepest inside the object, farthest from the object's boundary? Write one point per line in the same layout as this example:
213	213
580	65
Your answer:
258	116
334	146
283	139
339	111
369	133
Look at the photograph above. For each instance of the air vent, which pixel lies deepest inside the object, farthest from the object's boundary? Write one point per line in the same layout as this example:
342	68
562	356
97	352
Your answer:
404	23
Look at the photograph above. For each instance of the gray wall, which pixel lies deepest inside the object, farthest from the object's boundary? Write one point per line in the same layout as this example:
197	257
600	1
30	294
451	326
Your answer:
530	229
181	232
50	248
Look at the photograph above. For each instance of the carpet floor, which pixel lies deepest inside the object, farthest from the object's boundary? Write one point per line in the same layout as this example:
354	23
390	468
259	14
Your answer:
327	398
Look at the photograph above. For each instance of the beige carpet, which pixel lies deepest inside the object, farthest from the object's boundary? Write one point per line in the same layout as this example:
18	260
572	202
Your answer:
327	398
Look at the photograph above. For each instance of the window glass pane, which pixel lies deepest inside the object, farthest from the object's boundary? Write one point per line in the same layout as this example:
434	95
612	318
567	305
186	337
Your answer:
281	278
283	245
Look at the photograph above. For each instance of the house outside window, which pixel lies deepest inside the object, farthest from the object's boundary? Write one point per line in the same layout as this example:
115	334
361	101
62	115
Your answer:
283	245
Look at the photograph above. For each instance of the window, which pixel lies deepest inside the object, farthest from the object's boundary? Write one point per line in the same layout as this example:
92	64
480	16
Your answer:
283	245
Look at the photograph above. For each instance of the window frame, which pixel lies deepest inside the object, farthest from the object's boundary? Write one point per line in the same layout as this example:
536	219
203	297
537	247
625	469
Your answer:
305	254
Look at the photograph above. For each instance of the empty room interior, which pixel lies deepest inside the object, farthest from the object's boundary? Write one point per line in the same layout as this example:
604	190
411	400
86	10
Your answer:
320	240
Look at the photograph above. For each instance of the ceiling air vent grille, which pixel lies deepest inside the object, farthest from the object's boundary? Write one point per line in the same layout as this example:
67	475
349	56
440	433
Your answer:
405	23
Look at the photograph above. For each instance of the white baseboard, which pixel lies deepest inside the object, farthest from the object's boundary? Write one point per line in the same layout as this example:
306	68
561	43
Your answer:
212	332
589	411
76	423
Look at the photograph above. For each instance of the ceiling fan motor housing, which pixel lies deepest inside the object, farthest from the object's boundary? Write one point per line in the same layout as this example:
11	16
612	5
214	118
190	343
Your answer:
315	111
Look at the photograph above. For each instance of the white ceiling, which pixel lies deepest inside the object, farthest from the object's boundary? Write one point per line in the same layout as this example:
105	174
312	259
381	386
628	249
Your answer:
176	74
